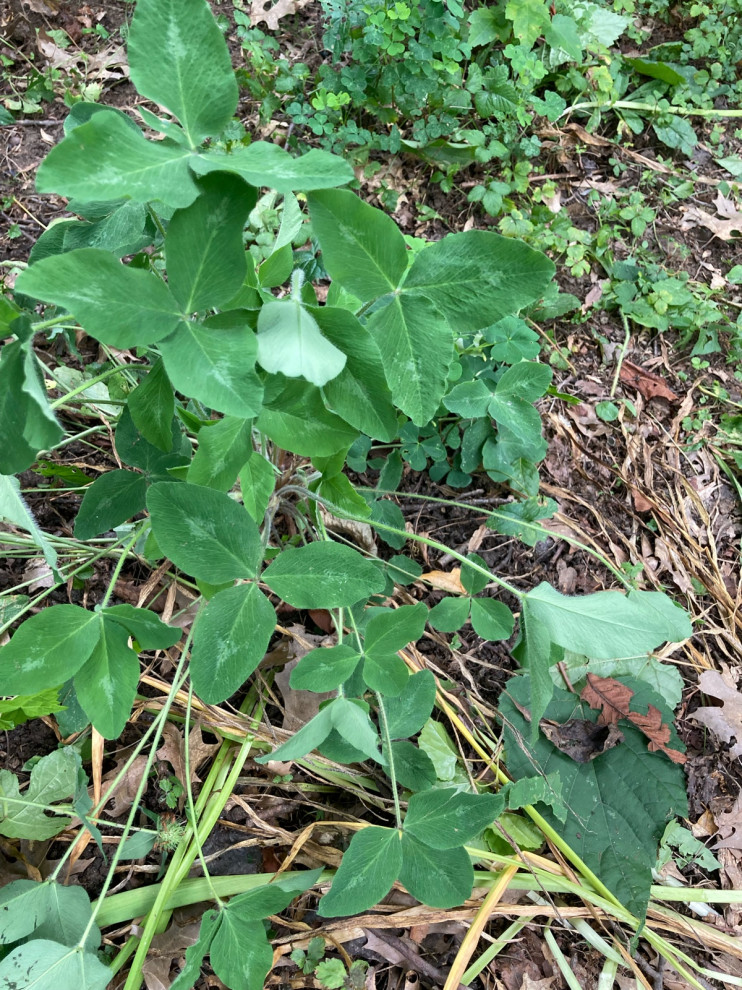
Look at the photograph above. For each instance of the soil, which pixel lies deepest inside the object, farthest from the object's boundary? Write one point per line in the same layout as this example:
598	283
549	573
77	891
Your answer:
639	491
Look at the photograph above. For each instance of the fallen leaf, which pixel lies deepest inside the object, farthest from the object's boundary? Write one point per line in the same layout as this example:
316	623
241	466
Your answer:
271	13
173	750
445	580
727	226
165	950
729	826
650	385
580	739
123	797
613	700
725	722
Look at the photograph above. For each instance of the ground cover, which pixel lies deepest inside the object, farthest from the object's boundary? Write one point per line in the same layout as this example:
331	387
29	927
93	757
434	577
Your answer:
471	511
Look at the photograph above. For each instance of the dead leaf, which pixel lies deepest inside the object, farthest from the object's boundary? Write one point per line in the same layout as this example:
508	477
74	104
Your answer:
650	385
727	227
271	13
123	797
580	739
165	950
449	581
613	700
725	722
729	826
173	750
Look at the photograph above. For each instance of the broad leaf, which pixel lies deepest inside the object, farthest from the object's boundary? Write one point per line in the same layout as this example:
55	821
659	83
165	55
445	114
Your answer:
107	682
389	631
179	58
362	247
618	804
274	897
409	711
144	626
352	722
492	620
527	380
23	907
23	815
135	450
152	405
448	817
257	481
223	449
67	916
215	365
230	638
435	741
306	739
477	277
240	952
534	653
322	575
48	649
44	965
412	767
450	613
204	249
14	510
109	159
439	878
416	345
195	954
469	399
299	421
608	624
370	866
290	342
264	164
324	669
120	306
204	532
113	498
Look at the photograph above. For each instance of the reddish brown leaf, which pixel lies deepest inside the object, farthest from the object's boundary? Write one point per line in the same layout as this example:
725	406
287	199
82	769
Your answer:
650	385
613	701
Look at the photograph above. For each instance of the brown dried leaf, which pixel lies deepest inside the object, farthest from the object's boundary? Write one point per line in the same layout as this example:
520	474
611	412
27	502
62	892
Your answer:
449	581
271	13
165	950
123	797
650	385
727	227
580	739
725	722
173	750
613	700
729	826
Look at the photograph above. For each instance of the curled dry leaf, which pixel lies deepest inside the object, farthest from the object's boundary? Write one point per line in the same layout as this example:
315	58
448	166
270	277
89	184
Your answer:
449	581
271	13
173	750
727	226
613	700
729	825
725	722
580	739
650	385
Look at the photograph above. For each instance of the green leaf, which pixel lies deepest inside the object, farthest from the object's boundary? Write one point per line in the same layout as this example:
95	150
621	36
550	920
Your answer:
23	907
23	815
179	58
417	347
403	570
385	672
484	27
439	878
492	620
324	669
24	707
665	679
14	510
613	824
144	626
447	817
519	519
562	34
152	405
138	844
370	866
450	613
362	248
68	913
125	230
230	638
290	342
331	973
240	953
134	450
120	306
196	953
535	655
409	711
27	424
204	532
412	767
322	575
215	365
264	164
474	581
257	481
47	649
657	70
106	684
113	498
44	965
306	739
223	449
528	380
109	159
274	897
341	496
435	741
298	421
608	624
204	249
277	267
535	790
529	18
469	399
352	722
677	133
389	631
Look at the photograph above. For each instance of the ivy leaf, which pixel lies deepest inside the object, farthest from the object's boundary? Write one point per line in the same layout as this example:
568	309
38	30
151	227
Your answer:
230	639
23	815
290	342
44	965
370	866
215	365
322	575
447	817
497	276
120	306
48	648
266	164
191	74
362	248
439	878
110	159
204	532
618	804
112	498
205	254
324	669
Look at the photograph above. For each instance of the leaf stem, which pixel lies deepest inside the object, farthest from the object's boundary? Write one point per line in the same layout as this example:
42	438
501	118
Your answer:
120	564
387	745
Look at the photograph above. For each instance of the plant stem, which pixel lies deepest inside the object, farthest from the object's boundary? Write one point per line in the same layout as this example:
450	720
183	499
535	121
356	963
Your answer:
387	745
120	564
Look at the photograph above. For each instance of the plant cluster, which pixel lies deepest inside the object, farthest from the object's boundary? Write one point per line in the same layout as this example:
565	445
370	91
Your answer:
411	347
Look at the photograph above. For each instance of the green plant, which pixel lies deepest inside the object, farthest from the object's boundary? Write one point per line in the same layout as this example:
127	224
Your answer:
235	378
